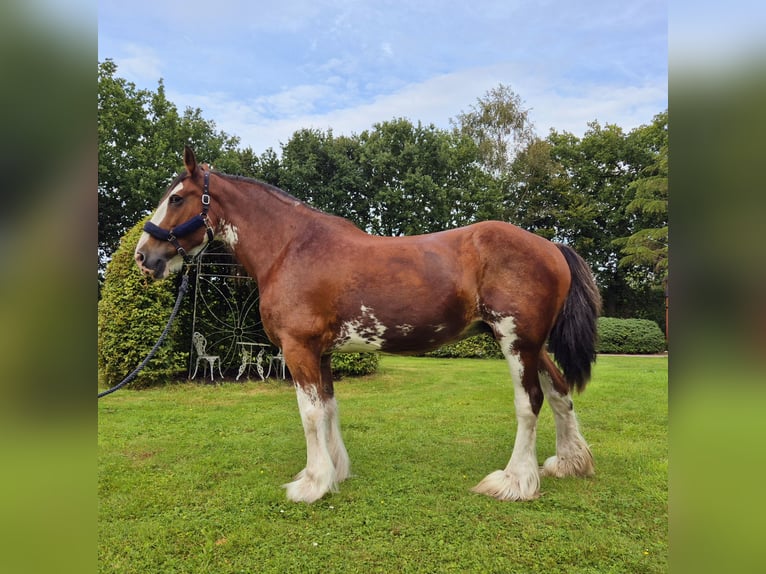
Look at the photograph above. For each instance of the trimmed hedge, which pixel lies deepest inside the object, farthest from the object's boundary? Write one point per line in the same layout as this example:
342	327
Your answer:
630	336
481	346
354	364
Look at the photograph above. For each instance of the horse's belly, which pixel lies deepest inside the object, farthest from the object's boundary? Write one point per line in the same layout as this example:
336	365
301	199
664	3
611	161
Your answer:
368	334
363	333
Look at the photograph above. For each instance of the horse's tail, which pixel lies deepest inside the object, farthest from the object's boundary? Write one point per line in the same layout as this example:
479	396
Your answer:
573	337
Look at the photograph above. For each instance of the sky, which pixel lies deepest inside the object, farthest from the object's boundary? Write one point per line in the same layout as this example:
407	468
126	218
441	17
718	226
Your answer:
263	69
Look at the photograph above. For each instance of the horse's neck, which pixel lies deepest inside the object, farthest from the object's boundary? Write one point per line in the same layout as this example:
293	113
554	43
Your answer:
258	224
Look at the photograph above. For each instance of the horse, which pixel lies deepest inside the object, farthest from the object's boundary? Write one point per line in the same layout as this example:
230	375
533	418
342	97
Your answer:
326	287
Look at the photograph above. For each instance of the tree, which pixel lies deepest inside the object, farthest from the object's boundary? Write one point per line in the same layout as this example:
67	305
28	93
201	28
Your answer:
499	125
602	170
122	123
646	249
325	171
420	178
140	137
537	192
266	167
397	178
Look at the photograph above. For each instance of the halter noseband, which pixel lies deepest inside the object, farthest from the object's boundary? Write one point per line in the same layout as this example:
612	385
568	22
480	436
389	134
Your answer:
187	227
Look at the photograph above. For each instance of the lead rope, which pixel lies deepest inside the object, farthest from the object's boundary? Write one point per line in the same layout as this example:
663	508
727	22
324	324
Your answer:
181	292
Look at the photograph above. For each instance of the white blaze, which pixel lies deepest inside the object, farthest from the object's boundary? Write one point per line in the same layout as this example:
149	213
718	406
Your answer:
159	215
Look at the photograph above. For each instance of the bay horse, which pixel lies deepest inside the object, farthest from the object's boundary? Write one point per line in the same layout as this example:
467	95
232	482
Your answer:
328	287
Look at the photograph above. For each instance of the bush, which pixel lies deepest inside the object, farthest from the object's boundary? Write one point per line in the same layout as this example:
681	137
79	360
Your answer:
481	346
631	336
354	364
132	314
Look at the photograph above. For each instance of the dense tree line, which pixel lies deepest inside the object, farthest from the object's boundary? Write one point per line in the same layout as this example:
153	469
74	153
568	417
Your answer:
605	193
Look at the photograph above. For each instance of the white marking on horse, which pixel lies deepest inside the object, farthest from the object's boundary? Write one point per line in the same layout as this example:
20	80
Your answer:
520	480
229	233
440	327
157	217
319	476
405	329
573	456
365	333
177	188
505	327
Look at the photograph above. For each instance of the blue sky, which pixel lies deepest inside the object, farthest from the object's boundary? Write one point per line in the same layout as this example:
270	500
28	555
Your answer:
262	70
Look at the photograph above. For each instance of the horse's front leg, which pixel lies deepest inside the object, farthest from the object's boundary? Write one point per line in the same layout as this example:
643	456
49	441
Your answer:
337	448
327	461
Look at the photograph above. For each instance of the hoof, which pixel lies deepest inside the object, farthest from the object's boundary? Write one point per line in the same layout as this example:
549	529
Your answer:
579	464
307	489
505	485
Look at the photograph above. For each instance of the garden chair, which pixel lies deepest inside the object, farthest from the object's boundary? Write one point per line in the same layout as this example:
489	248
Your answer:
199	345
279	360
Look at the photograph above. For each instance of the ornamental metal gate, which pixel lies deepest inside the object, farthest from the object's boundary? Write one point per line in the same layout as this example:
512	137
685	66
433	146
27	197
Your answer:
225	312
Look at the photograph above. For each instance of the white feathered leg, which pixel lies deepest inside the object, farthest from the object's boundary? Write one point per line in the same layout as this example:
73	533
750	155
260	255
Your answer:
573	456
337	449
319	476
520	480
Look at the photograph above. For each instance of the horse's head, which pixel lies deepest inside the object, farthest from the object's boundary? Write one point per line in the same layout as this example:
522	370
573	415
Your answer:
179	228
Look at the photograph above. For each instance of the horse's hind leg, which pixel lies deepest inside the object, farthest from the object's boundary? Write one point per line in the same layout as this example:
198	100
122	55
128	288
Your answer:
326	459
520	480
573	456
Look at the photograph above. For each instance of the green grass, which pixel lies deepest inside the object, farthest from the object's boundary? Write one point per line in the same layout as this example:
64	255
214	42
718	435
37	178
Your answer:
189	477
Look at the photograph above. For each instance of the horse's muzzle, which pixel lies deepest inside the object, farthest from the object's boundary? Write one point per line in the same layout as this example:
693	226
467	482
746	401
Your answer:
155	268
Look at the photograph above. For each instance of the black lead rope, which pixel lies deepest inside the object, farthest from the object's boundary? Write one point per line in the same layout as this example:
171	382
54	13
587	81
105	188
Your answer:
181	292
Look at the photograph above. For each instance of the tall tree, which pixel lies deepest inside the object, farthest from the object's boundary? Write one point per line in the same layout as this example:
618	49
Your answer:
646	249
397	178
500	126
122	125
602	170
140	137
324	170
420	178
537	192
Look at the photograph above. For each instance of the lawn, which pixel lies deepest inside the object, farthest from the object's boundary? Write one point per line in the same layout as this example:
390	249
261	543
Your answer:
189	477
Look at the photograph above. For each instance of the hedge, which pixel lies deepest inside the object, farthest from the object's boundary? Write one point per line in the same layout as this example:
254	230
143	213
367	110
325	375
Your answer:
132	314
481	346
629	336
354	364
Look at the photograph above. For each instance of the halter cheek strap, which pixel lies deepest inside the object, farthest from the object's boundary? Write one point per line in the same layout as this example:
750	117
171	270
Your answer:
187	227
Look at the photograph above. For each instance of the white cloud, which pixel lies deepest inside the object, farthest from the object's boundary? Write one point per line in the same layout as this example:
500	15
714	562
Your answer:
140	65
347	65
435	100
628	107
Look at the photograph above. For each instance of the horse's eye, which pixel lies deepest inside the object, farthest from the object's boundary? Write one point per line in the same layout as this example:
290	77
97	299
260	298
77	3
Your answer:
175	200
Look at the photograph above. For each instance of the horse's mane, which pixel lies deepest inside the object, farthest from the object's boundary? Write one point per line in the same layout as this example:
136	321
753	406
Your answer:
281	195
272	189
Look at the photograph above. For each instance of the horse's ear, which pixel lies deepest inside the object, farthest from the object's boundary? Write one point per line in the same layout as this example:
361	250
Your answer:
190	160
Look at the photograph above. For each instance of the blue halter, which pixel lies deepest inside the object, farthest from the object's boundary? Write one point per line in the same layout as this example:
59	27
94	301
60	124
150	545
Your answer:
186	227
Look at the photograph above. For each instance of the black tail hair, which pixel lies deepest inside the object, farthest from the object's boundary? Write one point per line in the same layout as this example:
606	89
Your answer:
573	337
